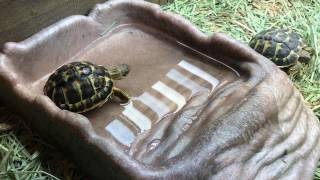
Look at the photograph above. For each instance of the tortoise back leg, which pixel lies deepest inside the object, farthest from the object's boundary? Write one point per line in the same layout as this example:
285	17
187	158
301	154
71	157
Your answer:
123	96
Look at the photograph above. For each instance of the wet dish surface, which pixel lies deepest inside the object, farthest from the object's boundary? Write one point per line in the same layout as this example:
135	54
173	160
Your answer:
162	84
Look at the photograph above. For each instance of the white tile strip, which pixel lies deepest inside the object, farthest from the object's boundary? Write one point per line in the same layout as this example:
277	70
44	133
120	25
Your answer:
125	135
121	132
155	104
170	94
138	118
199	72
184	81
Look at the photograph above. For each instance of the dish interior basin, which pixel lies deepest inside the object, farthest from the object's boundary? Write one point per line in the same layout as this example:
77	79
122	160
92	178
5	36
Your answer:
166	78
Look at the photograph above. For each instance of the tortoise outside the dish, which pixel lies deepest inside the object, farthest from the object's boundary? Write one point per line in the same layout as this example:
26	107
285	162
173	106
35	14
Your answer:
83	86
283	47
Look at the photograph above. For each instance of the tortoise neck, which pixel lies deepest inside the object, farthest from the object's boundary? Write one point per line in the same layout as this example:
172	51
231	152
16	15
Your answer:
118	72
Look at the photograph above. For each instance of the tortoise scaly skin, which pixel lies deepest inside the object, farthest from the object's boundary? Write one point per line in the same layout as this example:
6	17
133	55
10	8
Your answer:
83	86
282	46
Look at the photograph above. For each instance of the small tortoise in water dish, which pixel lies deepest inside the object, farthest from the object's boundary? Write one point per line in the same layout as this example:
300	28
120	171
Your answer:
83	86
283	47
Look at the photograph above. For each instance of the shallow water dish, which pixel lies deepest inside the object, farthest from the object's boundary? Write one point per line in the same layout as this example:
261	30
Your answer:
203	107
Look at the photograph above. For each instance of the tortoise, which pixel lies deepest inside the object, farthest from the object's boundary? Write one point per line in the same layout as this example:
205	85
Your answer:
283	47
83	86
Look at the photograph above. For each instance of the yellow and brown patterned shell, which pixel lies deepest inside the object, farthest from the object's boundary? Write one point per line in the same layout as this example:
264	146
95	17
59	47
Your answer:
281	46
79	86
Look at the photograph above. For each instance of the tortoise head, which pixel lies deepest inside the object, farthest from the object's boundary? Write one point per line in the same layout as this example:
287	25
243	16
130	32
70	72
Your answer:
305	54
124	69
119	72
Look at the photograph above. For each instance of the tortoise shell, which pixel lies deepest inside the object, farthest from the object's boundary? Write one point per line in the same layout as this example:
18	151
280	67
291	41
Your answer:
79	86
281	46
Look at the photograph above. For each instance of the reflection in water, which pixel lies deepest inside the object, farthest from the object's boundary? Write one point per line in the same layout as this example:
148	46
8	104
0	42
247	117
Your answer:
121	132
137	117
199	72
186	126
171	94
185	81
155	104
164	97
153	144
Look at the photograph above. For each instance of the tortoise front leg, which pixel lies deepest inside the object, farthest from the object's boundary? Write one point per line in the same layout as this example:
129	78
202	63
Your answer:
295	70
123	96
